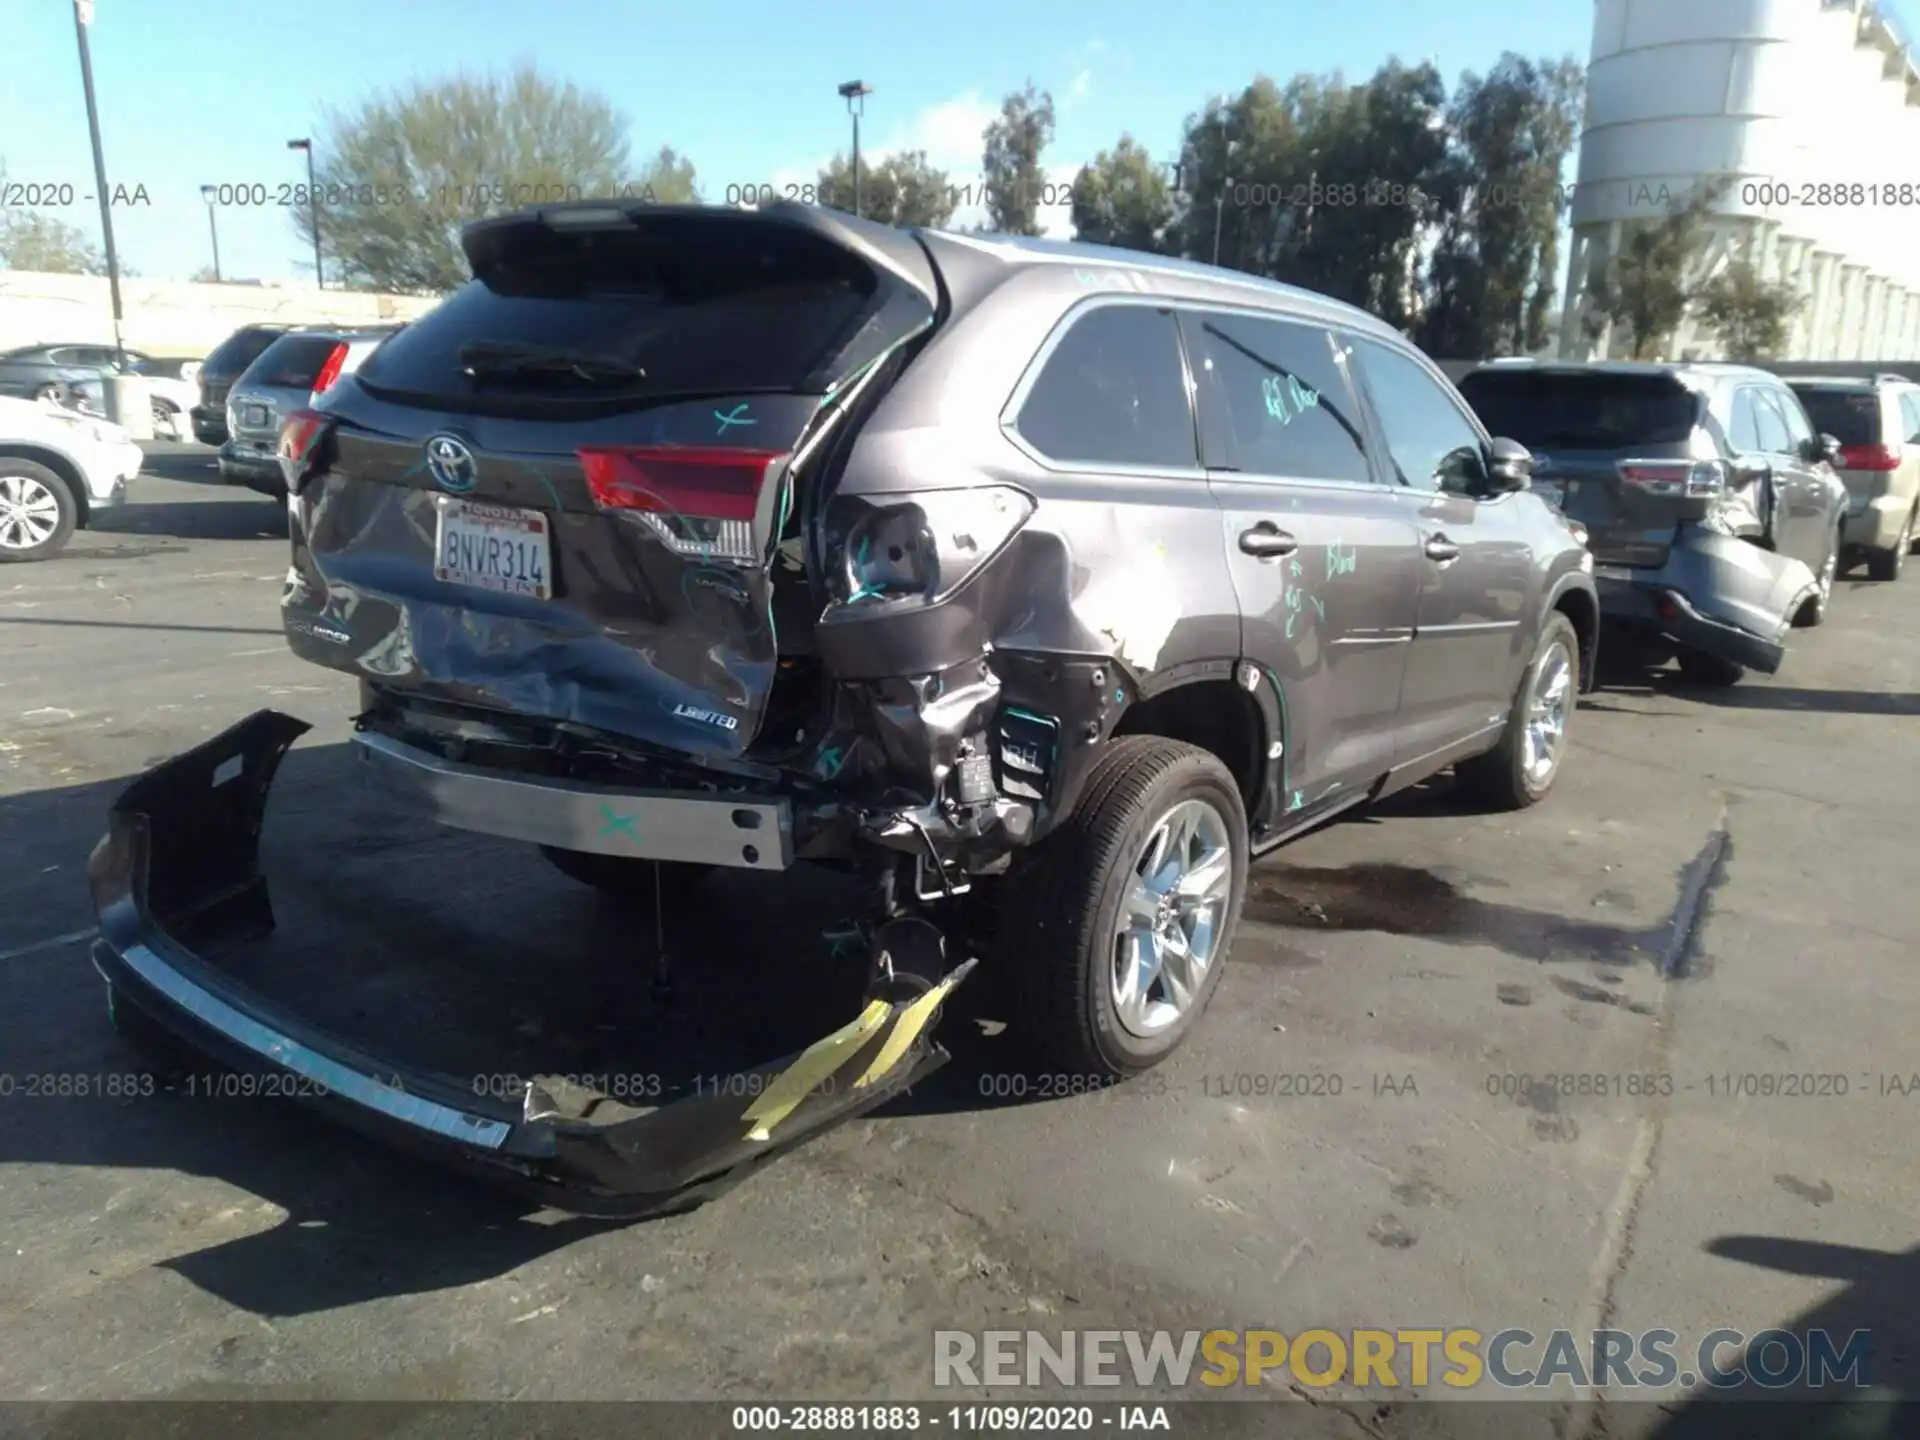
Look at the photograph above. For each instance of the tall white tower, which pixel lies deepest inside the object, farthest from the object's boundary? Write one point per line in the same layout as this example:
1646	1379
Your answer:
1811	109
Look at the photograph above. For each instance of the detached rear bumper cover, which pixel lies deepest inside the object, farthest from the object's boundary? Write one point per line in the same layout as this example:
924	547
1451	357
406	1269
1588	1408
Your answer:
180	863
1725	596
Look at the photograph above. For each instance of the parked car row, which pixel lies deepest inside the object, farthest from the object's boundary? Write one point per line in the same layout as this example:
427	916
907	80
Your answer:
73	377
1720	501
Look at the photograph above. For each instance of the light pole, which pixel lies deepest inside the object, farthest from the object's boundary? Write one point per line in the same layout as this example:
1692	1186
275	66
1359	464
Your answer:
213	230
855	93
313	210
82	18
1220	205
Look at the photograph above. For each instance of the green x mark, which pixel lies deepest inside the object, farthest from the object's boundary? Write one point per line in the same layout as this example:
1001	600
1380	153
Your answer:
622	823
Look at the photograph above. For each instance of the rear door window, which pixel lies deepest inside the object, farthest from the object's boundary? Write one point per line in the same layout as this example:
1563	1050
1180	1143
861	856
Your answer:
1113	392
1743	432
1851	416
1288	408
1797	427
1547	409
1775	438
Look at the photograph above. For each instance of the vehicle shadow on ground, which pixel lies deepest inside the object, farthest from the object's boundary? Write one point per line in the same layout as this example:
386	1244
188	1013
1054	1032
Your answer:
1788	697
243	516
1878	1299
449	951
196	465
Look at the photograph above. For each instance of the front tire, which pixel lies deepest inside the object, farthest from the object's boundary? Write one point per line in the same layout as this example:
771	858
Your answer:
38	512
1520	770
1710	670
1115	928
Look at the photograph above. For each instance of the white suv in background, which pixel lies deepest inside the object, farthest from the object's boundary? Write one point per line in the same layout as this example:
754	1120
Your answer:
1876	419
58	469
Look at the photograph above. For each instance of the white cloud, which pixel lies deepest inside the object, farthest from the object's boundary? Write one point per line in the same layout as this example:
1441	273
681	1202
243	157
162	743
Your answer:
1080	88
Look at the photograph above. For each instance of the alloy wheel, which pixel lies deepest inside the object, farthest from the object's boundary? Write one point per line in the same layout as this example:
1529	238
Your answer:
29	512
1547	705
1171	918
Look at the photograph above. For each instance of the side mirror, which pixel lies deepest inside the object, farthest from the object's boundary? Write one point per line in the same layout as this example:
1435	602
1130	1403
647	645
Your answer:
1821	447
1510	466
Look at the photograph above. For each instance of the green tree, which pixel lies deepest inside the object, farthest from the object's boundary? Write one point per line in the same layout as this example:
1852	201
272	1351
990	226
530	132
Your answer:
1122	197
902	189
1646	288
1500	202
37	241
400	176
1752	315
1010	163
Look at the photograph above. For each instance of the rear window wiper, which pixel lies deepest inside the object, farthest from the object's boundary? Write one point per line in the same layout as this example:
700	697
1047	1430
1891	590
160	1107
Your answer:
498	357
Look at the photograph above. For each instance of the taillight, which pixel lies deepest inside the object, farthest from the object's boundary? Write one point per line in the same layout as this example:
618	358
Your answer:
300	439
1869	457
1675	479
330	371
701	500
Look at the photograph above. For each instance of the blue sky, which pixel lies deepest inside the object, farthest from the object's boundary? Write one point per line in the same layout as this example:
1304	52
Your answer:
209	91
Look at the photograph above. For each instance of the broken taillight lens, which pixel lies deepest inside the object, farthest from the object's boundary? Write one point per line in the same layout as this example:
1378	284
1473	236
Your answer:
1676	479
302	438
1870	457
919	547
701	500
330	371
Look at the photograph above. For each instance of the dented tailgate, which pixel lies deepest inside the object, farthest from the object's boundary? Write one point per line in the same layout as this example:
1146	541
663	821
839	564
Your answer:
562	493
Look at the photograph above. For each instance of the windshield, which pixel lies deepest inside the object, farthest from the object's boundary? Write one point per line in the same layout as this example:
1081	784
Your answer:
238	351
1590	408
291	362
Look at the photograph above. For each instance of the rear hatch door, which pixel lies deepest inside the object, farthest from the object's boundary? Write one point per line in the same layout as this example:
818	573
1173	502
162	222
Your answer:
564	491
1616	451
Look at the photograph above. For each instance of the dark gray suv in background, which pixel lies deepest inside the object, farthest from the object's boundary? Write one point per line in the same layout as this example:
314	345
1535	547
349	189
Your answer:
1044	579
1710	502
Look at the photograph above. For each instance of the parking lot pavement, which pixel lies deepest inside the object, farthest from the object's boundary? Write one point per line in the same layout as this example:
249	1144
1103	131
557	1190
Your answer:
1576	1067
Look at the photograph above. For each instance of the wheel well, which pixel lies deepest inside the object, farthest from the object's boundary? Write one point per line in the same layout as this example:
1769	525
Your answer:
61	466
1584	612
1216	715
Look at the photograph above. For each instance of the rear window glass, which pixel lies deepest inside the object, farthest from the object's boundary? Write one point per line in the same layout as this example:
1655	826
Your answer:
1851	416
713	309
239	350
1604	412
291	361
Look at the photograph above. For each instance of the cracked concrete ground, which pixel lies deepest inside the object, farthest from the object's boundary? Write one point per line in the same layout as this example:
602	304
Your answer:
1346	1142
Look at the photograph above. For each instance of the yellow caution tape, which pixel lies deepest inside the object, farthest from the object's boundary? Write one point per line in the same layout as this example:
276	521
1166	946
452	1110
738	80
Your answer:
814	1064
913	1019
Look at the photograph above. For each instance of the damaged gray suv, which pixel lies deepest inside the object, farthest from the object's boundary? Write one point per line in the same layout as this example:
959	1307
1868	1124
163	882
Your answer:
1033	580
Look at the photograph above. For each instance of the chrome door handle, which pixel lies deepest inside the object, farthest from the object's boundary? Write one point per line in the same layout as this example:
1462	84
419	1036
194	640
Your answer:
1442	549
1268	541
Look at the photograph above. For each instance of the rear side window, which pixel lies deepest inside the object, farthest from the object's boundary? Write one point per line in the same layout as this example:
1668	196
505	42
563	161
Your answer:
1113	392
1910	417
1798	430
1288	409
704	309
1744	431
1432	443
1591	409
292	361
1851	416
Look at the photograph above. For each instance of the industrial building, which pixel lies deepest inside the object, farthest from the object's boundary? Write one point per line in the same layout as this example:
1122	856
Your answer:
1808	112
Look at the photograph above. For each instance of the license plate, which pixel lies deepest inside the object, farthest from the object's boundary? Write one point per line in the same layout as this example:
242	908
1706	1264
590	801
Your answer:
254	417
493	547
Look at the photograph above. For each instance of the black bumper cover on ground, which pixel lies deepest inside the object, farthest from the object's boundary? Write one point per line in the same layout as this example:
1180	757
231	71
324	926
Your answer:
179	867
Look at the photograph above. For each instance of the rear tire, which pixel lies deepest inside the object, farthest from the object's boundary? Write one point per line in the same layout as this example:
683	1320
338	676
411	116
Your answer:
1814	612
628	880
1074	933
1520	770
1887	564
1710	670
38	512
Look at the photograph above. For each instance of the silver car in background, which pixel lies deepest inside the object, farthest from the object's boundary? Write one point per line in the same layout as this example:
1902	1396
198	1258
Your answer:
1877	422
289	375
